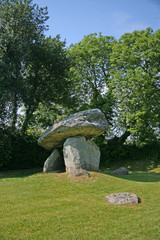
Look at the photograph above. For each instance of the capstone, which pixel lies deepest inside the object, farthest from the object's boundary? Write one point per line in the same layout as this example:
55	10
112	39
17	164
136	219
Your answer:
89	123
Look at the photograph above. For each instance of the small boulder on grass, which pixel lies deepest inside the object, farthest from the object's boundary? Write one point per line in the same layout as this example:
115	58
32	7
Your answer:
122	198
120	171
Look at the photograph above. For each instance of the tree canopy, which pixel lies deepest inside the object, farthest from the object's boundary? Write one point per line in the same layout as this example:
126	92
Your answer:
33	68
122	79
136	83
39	75
90	72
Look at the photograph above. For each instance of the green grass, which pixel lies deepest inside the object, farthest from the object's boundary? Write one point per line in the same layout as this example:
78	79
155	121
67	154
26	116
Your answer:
38	206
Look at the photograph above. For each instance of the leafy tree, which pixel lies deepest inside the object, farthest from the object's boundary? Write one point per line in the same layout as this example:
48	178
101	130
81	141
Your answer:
44	117
136	83
33	68
46	77
90	72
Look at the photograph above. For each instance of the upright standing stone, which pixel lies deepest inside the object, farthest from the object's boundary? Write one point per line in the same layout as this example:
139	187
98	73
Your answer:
75	153
80	154
94	156
54	162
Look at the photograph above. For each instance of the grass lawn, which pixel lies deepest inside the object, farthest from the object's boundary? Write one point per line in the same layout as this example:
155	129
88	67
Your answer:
39	206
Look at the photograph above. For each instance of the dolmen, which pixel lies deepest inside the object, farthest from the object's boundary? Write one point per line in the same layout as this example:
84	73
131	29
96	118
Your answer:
72	137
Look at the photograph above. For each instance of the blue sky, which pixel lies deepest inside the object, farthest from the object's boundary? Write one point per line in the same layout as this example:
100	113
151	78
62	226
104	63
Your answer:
73	19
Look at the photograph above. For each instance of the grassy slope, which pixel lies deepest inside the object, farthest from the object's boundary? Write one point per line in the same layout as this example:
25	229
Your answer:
52	206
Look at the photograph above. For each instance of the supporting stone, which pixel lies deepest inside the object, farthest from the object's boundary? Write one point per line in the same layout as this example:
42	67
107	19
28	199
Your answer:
80	154
94	156
54	162
75	153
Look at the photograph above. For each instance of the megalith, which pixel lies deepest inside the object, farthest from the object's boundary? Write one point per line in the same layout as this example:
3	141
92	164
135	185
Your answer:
54	162
80	153
89	123
75	153
94	156
74	135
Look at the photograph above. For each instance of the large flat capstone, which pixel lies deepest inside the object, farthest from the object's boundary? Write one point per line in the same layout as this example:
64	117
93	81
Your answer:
89	123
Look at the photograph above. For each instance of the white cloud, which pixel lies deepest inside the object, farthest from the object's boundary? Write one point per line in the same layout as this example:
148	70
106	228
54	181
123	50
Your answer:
136	26
122	22
119	18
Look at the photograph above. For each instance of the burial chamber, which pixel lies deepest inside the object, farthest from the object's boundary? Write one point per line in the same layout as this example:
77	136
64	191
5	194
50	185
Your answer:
71	142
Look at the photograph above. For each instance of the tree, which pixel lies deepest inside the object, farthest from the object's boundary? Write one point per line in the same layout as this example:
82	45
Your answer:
45	116
33	68
46	78
136	83
90	72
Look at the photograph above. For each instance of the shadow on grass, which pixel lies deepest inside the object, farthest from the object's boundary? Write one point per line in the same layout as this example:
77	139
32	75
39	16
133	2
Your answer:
19	173
138	176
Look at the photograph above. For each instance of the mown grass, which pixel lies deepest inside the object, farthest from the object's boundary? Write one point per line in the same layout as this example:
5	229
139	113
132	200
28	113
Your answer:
38	206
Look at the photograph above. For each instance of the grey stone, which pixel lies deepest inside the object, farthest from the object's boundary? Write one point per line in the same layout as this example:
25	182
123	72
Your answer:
122	198
94	156
78	172
75	153
54	162
80	154
89	123
120	171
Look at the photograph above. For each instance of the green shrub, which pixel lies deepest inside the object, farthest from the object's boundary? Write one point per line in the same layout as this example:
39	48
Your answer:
19	151
5	149
115	153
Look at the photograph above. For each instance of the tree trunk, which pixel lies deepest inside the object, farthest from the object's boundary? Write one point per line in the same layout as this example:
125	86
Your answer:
124	136
119	140
14	112
28	116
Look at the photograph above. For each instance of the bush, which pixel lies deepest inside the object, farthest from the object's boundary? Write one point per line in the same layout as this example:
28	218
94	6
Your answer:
19	151
5	149
114	154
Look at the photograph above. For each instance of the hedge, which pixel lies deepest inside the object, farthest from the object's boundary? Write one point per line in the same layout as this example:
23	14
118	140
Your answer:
19	151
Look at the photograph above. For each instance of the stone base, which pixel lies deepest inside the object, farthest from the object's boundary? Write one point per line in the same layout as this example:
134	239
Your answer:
78	172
